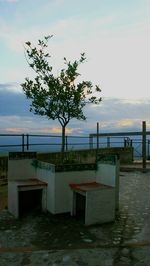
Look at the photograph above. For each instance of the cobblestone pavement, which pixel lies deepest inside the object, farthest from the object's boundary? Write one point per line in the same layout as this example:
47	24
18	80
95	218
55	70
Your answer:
44	239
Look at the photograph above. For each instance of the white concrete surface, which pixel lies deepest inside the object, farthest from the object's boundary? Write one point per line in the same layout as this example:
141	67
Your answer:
108	174
21	169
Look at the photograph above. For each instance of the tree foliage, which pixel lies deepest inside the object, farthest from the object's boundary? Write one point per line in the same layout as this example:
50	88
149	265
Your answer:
57	97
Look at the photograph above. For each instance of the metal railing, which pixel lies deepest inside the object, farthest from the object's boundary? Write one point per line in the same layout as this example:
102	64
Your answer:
26	142
43	142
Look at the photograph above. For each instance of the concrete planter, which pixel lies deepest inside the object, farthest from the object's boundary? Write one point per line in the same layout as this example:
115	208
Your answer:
57	196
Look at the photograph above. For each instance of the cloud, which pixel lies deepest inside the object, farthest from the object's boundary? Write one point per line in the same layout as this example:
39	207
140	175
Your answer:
117	114
112	113
12	101
118	54
12	87
15	130
9	1
50	130
59	130
126	123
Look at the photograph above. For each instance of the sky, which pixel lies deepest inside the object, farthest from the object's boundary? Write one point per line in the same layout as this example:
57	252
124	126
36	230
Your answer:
115	36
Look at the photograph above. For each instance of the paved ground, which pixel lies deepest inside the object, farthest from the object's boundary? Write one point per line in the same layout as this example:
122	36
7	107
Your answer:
63	240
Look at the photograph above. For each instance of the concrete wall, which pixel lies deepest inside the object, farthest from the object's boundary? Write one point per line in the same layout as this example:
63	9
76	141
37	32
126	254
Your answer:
46	172
88	155
58	189
104	206
59	195
13	196
108	174
63	194
13	205
83	156
21	169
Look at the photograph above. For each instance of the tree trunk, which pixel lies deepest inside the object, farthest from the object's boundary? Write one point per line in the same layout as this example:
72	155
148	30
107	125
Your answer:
63	139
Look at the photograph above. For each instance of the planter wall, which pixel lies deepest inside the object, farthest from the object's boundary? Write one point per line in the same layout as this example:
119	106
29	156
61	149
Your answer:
58	190
28	174
87	155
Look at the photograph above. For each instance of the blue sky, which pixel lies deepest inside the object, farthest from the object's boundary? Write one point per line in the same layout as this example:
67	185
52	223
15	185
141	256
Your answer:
114	34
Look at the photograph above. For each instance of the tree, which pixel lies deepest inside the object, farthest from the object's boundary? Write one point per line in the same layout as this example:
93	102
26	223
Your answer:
57	97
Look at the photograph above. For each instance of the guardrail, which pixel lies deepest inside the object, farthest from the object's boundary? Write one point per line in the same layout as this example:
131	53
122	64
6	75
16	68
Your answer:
26	142
37	142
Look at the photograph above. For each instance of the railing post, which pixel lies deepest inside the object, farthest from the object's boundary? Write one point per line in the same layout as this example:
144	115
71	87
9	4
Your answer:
66	143
148	142
108	142
144	145
124	142
27	142
90	141
97	135
22	142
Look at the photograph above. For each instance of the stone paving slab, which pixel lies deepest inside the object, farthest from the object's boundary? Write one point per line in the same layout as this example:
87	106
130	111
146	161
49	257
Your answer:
82	257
